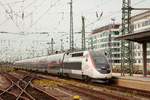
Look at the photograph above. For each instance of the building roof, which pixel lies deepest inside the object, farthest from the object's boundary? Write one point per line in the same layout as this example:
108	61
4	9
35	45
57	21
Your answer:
107	27
141	16
140	37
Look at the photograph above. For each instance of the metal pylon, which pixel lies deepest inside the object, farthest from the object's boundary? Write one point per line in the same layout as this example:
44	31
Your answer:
126	46
83	33
71	28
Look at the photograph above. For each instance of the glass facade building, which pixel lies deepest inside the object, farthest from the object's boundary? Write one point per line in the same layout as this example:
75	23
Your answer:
103	39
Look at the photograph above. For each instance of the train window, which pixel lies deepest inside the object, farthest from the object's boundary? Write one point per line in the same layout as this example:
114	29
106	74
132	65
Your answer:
73	65
86	59
77	54
106	54
67	53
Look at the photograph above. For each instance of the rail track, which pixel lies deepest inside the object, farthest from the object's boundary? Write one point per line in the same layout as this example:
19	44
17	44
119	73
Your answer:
112	87
7	95
90	93
93	94
130	91
99	91
22	89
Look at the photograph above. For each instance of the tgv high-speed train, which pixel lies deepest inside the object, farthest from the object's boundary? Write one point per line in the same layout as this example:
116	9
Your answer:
81	65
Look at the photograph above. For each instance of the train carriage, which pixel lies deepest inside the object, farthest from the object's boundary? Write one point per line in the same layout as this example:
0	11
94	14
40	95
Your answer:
82	65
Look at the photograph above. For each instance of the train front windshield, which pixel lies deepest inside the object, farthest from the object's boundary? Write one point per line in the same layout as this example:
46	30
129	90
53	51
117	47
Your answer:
100	62
99	58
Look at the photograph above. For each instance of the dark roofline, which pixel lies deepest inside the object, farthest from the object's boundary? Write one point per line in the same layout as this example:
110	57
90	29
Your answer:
140	15
107	27
140	37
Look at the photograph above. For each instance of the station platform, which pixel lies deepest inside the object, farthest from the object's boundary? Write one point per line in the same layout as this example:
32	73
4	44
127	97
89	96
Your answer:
137	81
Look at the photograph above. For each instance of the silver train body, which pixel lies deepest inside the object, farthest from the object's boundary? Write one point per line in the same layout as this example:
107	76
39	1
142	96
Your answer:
80	65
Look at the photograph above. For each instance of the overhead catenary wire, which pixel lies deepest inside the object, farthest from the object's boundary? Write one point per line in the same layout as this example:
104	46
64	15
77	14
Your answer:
33	2
114	13
11	17
27	14
38	19
43	14
7	19
14	2
59	22
37	7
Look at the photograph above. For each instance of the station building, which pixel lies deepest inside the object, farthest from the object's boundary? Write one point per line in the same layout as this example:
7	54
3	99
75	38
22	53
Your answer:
99	39
103	39
141	23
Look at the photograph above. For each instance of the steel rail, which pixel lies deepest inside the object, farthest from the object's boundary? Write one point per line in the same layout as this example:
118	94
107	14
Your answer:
15	84
23	85
25	89
44	92
109	87
22	90
93	94
138	92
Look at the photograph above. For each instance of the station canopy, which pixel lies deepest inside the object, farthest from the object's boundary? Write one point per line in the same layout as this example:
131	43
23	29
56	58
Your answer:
140	37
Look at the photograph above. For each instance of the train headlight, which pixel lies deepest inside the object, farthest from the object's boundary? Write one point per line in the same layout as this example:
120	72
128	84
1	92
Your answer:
108	67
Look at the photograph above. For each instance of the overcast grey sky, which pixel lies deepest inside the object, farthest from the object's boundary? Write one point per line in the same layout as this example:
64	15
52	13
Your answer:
53	15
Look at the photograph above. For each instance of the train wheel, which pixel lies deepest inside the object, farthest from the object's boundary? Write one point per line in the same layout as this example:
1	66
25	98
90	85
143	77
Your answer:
86	78
66	75
59	74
